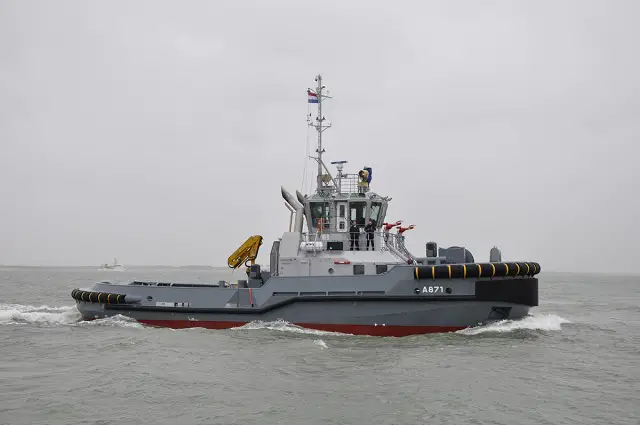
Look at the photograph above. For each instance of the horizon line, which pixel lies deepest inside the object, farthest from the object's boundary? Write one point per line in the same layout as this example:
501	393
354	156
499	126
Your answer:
32	266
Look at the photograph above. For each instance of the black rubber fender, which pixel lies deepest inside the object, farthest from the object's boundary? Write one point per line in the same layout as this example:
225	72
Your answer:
103	297
476	270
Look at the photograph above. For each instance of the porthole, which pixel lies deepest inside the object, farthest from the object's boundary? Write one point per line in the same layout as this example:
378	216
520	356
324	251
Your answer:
330	270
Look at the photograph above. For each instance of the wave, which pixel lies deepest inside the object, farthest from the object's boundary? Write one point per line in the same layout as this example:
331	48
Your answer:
117	321
283	326
545	322
320	343
19	314
23	314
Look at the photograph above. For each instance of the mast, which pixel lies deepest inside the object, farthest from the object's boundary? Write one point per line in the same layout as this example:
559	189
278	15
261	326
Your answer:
317	97
319	120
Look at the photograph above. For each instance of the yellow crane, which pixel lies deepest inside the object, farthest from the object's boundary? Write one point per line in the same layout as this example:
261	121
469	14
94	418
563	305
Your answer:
248	251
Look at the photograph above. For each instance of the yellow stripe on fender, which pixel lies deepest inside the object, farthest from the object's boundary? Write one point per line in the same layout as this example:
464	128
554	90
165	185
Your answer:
464	268
518	266
433	272
494	270
507	266
417	277
449	267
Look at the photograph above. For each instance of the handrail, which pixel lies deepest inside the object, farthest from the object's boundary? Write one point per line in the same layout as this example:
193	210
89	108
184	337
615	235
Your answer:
382	235
383	241
353	184
348	184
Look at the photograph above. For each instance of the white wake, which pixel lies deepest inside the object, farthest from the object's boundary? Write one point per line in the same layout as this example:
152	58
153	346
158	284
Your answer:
283	326
545	322
19	314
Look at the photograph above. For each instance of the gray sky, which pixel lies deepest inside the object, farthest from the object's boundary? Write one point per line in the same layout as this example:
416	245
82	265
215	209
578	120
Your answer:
160	132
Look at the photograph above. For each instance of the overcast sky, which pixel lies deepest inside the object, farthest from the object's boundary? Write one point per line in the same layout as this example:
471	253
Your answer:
160	132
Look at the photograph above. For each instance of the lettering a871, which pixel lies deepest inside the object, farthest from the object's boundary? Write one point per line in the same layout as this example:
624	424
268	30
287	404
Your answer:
433	290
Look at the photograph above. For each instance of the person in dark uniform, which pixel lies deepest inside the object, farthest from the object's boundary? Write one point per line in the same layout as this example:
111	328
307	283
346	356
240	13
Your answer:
369	229
354	235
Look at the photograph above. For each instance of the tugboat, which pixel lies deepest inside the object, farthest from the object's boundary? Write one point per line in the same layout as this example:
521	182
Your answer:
340	267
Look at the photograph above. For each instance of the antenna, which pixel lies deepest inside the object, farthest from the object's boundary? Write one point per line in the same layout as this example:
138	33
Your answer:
316	96
339	165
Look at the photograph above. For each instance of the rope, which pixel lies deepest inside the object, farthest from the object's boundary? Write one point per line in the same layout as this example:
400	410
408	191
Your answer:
306	156
304	168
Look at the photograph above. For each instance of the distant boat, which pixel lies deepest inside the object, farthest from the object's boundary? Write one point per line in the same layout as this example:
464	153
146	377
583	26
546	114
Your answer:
114	266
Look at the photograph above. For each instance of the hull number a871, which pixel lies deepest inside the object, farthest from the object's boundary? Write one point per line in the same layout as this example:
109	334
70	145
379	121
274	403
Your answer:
433	290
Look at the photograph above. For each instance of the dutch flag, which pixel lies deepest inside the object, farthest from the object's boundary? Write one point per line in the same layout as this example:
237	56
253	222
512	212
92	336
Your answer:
313	98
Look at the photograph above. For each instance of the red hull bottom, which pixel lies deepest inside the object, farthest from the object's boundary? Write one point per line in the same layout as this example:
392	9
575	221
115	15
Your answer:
371	330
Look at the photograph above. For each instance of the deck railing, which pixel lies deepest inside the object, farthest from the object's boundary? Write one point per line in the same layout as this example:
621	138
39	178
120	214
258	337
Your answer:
351	184
381	241
348	184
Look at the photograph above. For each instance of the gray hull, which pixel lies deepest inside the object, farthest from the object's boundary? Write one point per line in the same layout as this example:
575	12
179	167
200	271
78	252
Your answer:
396	303
351	317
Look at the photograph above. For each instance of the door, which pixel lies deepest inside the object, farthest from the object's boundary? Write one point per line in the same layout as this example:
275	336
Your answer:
341	219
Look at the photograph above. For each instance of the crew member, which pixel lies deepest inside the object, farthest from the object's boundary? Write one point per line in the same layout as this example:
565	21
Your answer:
369	229
363	181
354	235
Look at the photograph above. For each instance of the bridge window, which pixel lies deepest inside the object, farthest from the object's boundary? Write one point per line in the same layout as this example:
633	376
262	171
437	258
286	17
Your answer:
319	210
376	207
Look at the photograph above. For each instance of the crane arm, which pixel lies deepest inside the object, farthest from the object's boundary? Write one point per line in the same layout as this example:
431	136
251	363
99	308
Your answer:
248	251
